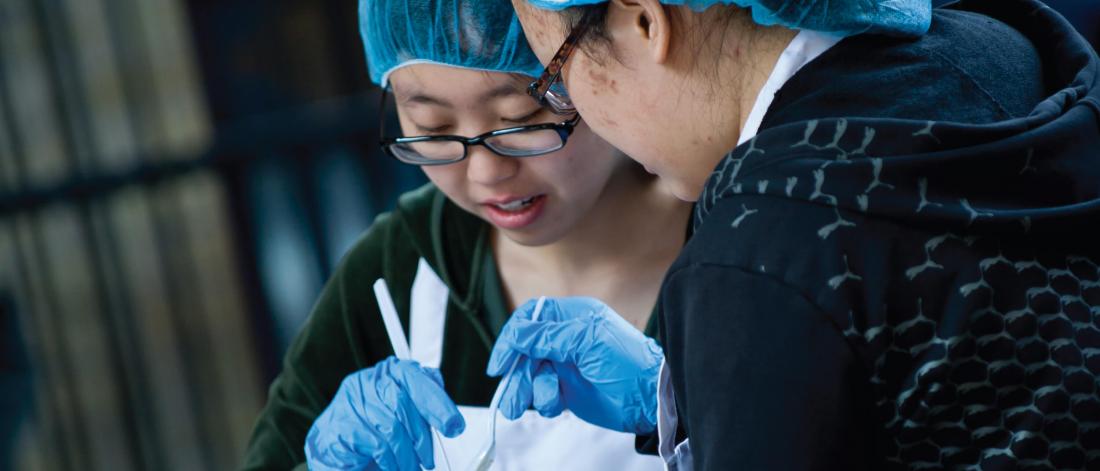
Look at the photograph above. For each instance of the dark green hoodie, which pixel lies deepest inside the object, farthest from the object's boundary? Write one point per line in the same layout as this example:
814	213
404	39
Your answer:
345	332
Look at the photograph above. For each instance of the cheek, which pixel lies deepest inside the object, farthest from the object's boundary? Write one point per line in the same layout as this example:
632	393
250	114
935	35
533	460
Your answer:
593	90
568	171
585	167
630	123
599	93
617	121
451	180
558	170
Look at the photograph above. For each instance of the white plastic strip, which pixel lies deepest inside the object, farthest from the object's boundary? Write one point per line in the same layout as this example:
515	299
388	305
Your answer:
400	343
398	340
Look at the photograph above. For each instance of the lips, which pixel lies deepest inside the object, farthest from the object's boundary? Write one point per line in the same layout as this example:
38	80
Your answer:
515	205
514	212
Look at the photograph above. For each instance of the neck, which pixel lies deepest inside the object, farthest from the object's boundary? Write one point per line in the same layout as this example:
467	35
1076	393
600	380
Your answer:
724	109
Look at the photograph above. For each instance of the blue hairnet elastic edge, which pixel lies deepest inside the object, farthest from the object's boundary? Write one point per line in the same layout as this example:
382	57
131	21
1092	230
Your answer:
385	79
917	25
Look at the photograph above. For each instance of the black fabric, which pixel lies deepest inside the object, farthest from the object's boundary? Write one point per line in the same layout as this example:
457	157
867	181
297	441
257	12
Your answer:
969	68
885	281
767	392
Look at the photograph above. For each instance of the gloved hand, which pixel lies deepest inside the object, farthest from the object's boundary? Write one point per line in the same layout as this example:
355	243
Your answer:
379	420
582	356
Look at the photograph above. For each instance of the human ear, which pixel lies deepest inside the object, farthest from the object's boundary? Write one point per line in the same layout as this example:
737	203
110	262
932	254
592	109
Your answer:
647	22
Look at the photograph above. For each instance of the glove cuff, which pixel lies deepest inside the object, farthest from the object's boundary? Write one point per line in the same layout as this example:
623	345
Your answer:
647	386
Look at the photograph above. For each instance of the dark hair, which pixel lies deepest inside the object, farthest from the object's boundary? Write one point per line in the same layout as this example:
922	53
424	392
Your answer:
596	43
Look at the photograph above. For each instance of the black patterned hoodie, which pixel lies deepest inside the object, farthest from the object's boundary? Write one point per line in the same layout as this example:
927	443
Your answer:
902	269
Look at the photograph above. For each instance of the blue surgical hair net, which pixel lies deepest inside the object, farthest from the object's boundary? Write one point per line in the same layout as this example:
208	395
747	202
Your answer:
480	35
840	17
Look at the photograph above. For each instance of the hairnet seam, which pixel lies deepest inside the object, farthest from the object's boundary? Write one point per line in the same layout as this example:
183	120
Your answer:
384	81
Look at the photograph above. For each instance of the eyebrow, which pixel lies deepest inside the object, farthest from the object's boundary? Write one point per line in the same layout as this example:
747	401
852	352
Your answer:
421	98
501	91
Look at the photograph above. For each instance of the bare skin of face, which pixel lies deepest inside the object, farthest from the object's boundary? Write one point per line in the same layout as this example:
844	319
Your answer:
591	222
670	99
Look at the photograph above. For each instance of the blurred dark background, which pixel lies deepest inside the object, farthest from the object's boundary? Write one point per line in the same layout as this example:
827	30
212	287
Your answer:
177	180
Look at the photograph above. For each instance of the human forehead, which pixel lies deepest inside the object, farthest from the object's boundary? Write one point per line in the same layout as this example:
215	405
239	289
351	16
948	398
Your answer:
455	84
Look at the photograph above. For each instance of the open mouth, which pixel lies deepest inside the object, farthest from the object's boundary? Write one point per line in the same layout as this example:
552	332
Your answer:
517	213
516	205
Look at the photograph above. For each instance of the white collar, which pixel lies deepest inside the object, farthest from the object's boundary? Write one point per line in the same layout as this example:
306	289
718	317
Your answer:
805	47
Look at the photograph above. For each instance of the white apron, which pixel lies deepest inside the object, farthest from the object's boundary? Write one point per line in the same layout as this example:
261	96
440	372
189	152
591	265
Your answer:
530	443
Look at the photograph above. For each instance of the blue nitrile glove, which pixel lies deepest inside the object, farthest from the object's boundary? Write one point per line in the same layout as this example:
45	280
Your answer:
582	356
379	419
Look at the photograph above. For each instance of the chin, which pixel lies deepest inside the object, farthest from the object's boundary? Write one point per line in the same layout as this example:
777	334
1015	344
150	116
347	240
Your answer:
688	197
681	190
530	237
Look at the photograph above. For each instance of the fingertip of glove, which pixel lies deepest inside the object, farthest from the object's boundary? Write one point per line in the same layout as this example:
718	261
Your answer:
454	426
497	362
510	413
549	413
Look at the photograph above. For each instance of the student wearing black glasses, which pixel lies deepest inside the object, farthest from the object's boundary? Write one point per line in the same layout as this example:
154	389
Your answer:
523	202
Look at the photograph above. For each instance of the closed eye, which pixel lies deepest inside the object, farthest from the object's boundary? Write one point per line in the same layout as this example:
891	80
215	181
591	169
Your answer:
431	130
525	118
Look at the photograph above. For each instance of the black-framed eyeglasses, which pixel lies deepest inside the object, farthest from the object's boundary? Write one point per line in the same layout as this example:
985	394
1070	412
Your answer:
548	90
521	141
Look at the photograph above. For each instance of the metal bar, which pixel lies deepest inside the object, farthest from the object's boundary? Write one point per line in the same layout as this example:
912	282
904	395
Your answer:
141	123
15	141
55	447
50	48
164	238
63	454
65	78
305	176
74	451
330	122
123	337
233	176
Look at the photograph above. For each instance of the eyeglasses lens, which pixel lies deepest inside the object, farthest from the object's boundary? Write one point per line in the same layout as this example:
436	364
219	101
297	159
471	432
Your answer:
527	143
558	99
428	151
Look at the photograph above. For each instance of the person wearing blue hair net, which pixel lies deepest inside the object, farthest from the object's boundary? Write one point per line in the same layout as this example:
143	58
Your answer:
894	261
522	202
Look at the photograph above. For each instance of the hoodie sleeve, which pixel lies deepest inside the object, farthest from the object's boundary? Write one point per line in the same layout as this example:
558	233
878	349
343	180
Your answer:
763	379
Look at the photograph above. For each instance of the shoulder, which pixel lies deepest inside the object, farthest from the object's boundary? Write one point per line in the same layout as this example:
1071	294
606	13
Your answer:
389	235
424	225
956	72
390	249
766	240
749	230
831	256
346	307
399	235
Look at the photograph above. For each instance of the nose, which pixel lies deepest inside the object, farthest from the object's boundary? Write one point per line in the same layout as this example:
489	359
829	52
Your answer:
487	168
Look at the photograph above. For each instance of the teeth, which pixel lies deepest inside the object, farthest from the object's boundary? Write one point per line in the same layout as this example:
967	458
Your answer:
517	204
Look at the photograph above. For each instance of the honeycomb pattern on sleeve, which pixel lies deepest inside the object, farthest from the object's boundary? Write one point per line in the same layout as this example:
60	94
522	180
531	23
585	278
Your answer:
998	368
